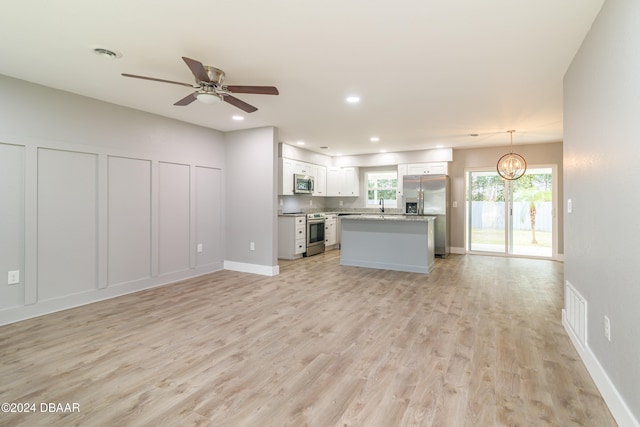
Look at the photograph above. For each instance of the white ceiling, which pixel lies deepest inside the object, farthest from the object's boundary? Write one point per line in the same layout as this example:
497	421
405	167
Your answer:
428	72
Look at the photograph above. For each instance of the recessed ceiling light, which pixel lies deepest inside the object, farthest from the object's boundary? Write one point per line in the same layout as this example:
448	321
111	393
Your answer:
338	154
383	151
439	146
106	53
237	118
353	99
374	139
300	142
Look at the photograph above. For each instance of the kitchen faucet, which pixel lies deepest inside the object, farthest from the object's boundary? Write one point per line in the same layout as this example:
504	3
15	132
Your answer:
381	205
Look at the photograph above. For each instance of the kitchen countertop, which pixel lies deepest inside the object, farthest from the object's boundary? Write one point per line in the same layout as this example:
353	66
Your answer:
339	213
390	217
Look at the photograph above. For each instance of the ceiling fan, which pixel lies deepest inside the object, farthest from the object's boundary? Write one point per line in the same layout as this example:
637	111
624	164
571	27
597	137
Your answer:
210	87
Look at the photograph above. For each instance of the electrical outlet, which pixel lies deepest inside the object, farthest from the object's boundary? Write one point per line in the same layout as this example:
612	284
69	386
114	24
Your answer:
252	246
455	204
607	328
13	277
199	248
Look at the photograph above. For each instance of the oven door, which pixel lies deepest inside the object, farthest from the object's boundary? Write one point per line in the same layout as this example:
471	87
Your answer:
315	237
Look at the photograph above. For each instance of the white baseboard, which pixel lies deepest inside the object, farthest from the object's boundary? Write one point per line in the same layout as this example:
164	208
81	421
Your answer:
612	398
458	251
264	270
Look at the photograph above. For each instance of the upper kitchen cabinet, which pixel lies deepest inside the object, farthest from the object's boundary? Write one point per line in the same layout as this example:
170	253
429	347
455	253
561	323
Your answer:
321	181
302	168
434	168
343	182
285	177
402	171
288	168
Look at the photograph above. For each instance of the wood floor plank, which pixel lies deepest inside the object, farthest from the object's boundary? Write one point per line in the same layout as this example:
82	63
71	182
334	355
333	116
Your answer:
478	342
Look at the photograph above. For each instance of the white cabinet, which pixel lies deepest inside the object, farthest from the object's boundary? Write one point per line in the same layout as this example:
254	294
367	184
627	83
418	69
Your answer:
343	182
320	181
333	181
285	177
350	182
328	181
303	168
434	168
330	230
292	236
289	167
402	171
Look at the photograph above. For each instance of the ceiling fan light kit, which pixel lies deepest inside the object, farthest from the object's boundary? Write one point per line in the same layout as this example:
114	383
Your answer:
211	90
208	98
511	166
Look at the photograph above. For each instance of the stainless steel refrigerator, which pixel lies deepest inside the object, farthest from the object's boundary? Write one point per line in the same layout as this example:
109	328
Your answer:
429	195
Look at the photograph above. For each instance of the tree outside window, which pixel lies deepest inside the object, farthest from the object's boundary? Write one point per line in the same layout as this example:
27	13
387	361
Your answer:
382	185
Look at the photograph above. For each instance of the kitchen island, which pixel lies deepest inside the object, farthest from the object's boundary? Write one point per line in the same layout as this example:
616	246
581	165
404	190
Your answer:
389	242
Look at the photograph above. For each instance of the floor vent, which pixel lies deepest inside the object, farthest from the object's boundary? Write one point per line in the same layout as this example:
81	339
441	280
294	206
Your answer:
575	307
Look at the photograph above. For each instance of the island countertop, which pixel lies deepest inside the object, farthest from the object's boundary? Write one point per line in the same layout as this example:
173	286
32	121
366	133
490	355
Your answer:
389	217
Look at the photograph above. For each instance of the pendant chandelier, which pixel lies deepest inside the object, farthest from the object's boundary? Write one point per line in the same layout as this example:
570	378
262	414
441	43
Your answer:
511	166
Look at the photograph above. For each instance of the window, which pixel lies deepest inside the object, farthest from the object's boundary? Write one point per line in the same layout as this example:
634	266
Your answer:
382	185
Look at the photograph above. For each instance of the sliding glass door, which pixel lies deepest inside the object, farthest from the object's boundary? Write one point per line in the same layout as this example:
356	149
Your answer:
511	217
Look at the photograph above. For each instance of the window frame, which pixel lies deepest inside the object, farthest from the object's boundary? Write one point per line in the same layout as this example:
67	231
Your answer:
379	174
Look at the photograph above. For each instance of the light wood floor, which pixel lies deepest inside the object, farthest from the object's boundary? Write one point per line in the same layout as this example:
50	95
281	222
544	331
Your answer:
478	342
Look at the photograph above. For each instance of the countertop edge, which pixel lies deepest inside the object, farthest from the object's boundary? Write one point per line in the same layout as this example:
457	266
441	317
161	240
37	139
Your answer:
406	218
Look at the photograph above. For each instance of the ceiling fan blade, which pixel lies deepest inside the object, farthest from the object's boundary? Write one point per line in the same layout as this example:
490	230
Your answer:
260	90
187	99
248	108
197	69
158	80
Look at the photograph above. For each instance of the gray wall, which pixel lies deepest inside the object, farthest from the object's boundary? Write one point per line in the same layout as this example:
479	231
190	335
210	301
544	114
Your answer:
251	204
602	127
100	200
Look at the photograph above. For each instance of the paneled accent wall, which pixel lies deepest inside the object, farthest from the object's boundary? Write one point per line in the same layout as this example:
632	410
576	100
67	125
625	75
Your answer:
129	218
173	217
209	233
67	223
12	164
82	224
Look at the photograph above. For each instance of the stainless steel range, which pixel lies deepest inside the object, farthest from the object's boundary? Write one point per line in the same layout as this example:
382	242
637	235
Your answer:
315	234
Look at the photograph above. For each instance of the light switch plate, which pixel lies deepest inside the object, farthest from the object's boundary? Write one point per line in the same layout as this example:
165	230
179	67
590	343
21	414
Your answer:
199	247
13	277
569	206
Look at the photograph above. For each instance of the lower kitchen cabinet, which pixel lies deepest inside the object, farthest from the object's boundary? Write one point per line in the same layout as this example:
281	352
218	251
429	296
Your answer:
292	236
330	232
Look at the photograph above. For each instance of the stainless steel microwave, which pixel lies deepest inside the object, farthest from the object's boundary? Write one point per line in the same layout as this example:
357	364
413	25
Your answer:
302	184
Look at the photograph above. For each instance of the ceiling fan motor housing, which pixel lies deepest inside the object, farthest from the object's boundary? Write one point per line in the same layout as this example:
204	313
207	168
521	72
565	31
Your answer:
216	75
